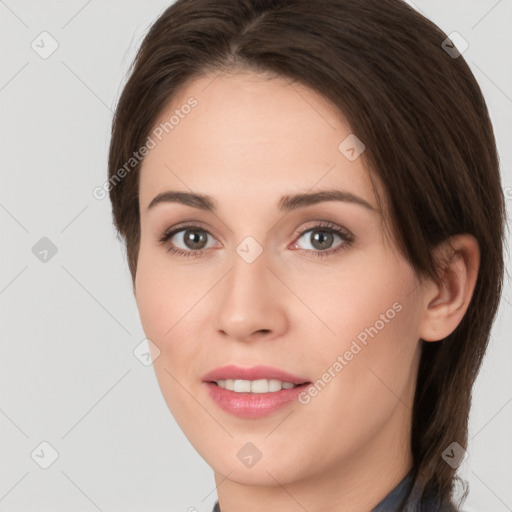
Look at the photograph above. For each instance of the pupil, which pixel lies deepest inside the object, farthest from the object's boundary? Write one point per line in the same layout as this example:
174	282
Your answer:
194	237
322	239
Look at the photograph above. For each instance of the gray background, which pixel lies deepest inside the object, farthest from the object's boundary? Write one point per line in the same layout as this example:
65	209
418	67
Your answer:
69	325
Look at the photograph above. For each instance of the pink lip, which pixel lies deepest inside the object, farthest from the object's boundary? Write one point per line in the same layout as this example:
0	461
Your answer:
252	405
254	373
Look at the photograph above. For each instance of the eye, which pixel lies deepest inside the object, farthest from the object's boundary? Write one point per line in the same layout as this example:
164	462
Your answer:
193	238
321	238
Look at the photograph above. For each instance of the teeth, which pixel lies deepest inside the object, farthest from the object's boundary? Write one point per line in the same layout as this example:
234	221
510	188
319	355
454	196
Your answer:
254	386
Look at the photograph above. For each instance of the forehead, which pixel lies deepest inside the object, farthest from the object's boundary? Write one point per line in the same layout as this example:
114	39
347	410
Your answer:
251	138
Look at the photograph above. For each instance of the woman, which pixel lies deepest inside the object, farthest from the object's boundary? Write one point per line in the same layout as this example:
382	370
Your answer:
310	198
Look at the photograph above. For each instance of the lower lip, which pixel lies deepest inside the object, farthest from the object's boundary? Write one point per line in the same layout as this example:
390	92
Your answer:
253	405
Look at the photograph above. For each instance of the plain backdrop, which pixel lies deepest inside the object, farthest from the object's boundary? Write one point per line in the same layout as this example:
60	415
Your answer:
73	394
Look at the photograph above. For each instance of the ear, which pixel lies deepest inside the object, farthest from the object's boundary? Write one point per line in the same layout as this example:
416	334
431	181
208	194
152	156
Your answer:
446	303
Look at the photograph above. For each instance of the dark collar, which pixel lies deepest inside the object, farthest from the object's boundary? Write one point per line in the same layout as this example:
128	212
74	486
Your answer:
391	502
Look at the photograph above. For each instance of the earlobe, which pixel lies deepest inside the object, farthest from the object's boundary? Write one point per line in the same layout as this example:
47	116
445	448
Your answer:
446	303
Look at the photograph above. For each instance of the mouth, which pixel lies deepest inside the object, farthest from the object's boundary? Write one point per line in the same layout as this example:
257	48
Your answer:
253	392
256	379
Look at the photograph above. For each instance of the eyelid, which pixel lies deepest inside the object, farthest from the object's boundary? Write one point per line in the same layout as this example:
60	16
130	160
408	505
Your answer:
184	225
324	224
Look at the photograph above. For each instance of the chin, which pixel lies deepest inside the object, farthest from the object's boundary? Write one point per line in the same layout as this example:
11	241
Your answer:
273	466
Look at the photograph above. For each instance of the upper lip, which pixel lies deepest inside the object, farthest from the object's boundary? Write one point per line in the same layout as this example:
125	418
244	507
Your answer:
252	373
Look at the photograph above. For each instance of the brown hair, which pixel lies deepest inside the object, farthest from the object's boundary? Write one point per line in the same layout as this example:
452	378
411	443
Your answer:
428	137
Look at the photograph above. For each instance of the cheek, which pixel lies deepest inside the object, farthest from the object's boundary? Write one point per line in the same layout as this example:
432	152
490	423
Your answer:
163	296
364	292
170	301
165	300
373	314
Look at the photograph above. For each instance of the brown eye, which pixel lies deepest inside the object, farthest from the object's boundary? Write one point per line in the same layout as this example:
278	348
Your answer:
194	239
321	239
186	240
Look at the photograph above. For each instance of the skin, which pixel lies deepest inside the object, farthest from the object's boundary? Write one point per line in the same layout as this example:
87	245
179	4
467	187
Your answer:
249	141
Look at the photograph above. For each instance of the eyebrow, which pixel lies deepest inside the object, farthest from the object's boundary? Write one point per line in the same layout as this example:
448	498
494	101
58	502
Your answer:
286	203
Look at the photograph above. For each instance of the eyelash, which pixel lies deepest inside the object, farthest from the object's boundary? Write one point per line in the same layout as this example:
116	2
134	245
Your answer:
345	235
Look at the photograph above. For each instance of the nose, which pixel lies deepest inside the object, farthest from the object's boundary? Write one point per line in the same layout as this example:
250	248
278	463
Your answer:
251	301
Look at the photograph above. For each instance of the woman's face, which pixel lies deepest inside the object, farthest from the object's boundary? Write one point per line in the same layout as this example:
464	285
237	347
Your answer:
308	287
